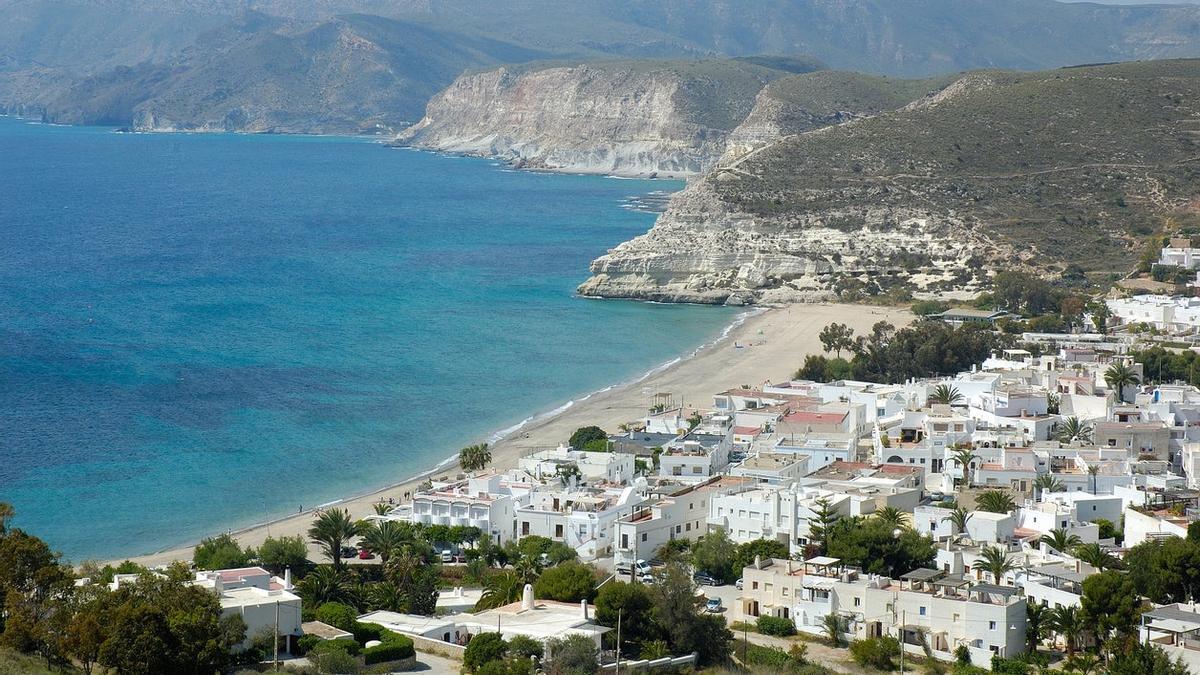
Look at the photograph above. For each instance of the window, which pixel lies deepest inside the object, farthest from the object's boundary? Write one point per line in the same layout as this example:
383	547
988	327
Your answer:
677	471
643	536
785	591
697	470
956	618
754	585
689	527
524	527
678	529
624	541
857	601
922	611
558	530
991	625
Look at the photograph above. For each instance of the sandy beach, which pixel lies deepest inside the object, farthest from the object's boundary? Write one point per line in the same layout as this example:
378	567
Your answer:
773	345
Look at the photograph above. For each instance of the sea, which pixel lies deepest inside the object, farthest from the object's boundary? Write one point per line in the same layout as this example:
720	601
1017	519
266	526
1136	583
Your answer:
202	332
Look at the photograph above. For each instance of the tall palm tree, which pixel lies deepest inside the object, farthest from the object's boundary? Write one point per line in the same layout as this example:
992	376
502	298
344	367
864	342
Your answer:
1067	622
501	590
382	508
995	561
1037	622
1096	556
945	395
959	517
327	584
1118	376
893	516
383	538
964	457
1060	540
404	566
1046	482
1093	470
1072	430
332	530
995	501
834	626
474	457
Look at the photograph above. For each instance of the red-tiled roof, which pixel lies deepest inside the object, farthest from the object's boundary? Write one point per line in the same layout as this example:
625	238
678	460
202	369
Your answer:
747	431
812	417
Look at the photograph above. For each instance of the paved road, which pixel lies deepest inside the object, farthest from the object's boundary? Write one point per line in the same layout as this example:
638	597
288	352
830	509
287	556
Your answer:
436	665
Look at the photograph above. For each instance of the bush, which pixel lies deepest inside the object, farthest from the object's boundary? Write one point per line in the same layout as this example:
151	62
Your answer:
365	632
307	642
525	647
776	625
585	435
568	582
482	649
394	648
221	552
776	659
875	653
1009	666
344	645
336	662
338	615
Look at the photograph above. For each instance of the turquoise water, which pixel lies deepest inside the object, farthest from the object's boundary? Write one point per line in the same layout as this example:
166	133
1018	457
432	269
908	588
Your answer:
200	332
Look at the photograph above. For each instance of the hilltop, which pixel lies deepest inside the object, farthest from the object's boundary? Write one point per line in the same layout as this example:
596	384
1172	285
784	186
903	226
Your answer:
372	65
629	117
999	169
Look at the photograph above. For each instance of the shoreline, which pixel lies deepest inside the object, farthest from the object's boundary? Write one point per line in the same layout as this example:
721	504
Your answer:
759	345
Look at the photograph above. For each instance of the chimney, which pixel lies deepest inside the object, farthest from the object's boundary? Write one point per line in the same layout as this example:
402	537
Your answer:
527	598
758	562
287	579
583	607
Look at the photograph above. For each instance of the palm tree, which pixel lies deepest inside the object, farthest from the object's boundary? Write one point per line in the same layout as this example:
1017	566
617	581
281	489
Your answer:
1093	469
388	597
474	457
404	566
964	457
1037	622
1060	540
383	538
995	561
1072	430
1096	556
1084	664
893	516
529	568
834	627
958	518
1068	623
332	530
1046	482
945	395
327	584
1118	376
995	501
383	508
501	590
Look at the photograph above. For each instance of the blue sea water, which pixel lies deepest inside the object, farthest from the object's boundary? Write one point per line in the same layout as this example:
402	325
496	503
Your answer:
200	332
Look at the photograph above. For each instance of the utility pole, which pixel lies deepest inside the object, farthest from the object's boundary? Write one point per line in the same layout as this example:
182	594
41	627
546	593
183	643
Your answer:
275	642
902	618
618	668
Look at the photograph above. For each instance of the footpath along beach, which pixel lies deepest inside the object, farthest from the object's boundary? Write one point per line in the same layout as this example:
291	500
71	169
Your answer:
767	346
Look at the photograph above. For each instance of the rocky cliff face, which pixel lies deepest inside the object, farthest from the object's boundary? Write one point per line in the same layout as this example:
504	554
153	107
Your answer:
998	171
630	118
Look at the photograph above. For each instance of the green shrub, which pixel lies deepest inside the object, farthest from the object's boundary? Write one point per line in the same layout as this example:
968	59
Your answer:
307	642
365	632
338	615
776	625
767	656
345	645
1009	666
875	653
336	662
393	648
484	648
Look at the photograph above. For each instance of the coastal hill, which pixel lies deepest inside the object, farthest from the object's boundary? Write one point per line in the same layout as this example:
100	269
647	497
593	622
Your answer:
997	170
615	117
372	65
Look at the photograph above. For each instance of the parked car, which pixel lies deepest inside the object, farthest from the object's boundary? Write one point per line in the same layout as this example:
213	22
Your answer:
713	605
739	583
647	579
365	554
641	567
349	552
447	556
705	579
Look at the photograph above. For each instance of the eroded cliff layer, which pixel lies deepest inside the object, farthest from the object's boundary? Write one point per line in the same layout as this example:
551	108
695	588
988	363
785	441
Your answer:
998	170
632	118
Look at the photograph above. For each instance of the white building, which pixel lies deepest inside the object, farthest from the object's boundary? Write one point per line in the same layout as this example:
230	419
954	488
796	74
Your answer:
264	602
679	514
1166	313
584	519
594	467
488	502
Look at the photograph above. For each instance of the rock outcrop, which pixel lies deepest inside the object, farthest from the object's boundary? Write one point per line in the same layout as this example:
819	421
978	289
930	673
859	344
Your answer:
629	118
998	171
